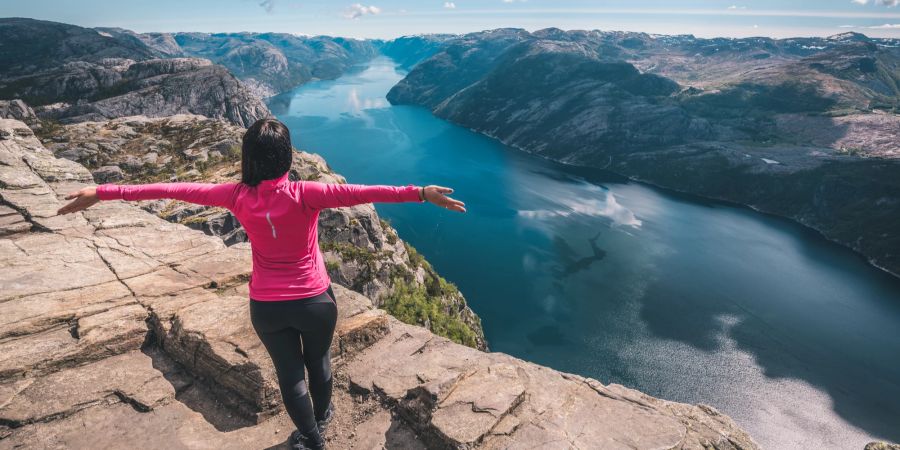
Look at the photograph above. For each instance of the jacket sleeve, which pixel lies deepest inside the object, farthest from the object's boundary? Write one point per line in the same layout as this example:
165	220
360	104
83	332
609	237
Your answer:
209	194
318	195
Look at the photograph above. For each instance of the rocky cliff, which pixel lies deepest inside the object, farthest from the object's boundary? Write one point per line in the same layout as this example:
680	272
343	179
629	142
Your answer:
118	328
72	74
362	252
803	128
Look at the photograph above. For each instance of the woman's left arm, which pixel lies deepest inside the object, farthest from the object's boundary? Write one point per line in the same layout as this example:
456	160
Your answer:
209	194
318	195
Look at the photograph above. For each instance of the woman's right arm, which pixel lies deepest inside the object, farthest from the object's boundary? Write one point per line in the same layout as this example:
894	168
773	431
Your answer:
209	194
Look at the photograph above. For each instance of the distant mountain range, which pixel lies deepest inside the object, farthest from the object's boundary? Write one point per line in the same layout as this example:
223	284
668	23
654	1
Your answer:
268	63
805	128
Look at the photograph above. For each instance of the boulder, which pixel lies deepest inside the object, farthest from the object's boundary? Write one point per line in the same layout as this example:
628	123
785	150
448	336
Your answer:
108	174
19	110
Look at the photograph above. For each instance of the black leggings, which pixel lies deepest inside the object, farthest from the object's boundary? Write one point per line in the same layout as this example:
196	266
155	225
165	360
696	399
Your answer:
283	326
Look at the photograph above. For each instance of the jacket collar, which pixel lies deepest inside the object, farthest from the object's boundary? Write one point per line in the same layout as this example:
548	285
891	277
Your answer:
275	183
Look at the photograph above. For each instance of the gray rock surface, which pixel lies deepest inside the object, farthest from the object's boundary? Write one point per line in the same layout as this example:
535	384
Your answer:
19	110
108	174
120	329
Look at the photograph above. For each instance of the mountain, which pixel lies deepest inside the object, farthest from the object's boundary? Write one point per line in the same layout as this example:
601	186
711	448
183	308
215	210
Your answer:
69	74
272	63
267	63
802	128
31	46
410	50
162	45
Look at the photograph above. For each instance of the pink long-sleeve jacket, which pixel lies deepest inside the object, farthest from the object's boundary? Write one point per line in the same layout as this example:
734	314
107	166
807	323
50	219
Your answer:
281	219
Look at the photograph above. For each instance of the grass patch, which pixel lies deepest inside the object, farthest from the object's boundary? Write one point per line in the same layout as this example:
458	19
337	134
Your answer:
413	305
332	266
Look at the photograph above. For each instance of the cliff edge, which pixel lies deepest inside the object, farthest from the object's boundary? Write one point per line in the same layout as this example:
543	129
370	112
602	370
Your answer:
120	329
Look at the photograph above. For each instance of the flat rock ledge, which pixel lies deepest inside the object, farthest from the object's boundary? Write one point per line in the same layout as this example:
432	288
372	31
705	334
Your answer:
121	330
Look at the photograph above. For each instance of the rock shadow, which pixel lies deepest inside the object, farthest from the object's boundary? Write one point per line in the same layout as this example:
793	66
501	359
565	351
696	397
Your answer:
399	436
196	395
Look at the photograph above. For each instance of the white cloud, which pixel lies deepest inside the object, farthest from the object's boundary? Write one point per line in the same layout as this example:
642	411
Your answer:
860	2
878	2
449	5
886	26
357	10
607	206
733	7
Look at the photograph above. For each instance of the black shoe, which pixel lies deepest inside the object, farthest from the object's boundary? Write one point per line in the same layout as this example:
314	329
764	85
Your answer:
322	425
300	442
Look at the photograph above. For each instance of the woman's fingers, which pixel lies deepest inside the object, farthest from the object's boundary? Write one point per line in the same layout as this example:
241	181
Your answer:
442	200
70	207
82	199
452	204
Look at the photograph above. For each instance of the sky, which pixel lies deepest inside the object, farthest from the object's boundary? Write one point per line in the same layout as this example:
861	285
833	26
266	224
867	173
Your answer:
392	18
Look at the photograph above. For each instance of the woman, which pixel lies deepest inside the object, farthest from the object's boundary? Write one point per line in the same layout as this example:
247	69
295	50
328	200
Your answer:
292	306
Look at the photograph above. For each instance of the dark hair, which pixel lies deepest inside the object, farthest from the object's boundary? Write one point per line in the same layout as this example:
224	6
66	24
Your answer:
266	151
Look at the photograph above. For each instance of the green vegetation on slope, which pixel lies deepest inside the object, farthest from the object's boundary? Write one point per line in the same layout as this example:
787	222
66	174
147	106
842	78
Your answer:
413	305
425	305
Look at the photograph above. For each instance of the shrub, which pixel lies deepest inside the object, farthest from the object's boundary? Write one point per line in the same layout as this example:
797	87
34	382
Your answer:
412	304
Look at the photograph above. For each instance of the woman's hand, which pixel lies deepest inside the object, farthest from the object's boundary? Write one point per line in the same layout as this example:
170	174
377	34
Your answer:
437	195
81	199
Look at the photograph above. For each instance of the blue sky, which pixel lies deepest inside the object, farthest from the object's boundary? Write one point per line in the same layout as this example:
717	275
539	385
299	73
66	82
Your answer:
391	18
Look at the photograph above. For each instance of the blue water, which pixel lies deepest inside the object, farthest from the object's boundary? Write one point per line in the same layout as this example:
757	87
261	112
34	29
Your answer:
794	337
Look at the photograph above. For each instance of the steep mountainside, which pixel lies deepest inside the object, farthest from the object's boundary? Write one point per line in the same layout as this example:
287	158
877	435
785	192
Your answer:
74	74
809	132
